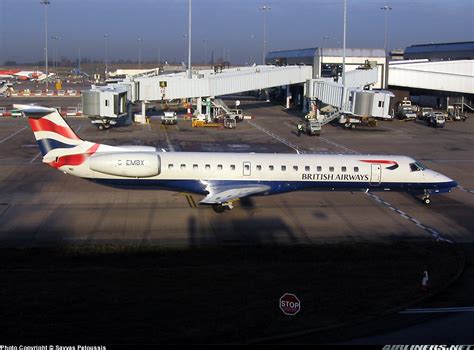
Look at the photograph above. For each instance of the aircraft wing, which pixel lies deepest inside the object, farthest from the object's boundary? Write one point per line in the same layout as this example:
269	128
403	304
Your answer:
222	194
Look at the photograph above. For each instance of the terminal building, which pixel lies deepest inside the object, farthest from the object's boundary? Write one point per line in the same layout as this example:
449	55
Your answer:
435	75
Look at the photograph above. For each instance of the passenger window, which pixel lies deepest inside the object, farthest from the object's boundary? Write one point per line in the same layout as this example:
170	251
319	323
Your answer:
259	167
219	167
271	167
306	168
343	169
283	168
208	167
195	166
331	168
356	169
232	167
295	167
183	166
247	167
170	166
319	168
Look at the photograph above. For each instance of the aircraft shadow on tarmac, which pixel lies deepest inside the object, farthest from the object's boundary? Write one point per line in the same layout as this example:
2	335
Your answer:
257	231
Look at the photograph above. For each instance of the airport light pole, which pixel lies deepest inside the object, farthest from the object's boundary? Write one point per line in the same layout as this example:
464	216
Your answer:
344	56
46	3
139	53
189	39
386	8
264	9
106	37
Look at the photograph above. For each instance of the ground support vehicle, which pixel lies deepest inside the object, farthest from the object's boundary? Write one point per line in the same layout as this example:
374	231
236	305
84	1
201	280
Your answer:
169	118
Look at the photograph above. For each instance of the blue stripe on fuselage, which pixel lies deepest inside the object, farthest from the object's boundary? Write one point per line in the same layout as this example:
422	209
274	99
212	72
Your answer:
196	186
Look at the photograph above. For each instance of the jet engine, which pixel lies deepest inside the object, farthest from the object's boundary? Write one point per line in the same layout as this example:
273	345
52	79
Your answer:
127	164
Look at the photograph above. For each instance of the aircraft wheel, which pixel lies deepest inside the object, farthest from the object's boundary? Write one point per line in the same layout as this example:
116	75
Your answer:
218	208
426	200
101	127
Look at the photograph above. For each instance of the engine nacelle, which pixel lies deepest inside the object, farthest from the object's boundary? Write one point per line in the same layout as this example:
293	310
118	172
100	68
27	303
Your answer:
127	164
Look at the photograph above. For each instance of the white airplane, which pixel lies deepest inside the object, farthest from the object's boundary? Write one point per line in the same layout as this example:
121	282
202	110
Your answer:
224	178
21	74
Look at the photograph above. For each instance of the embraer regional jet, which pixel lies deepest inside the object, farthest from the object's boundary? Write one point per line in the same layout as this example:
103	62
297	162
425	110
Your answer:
225	177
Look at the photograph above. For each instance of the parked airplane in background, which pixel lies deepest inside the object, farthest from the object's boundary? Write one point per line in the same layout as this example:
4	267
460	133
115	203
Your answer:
22	74
225	177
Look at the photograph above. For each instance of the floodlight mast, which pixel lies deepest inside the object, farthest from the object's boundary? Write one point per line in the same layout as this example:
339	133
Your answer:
189	39
46	3
264	9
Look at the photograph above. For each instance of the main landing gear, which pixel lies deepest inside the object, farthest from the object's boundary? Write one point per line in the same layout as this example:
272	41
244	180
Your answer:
222	207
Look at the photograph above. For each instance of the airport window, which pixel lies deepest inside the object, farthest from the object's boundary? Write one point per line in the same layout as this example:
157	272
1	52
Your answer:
259	167
331	168
356	169
232	167
306	168
208	167
343	169
183	166
283	168
219	167
195	166
271	167
106	103
319	168
380	104
170	166
295	167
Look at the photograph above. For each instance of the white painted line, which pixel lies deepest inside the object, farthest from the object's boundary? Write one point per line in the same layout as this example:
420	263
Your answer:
438	310
435	234
276	137
339	145
31	161
465	190
168	142
16	132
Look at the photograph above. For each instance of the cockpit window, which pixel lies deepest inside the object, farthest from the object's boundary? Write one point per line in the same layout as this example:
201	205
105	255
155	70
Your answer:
417	166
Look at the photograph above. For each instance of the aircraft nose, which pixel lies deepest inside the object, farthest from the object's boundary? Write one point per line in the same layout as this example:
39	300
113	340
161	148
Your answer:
445	180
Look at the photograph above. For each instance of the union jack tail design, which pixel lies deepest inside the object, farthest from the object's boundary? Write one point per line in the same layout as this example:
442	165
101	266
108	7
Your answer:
58	143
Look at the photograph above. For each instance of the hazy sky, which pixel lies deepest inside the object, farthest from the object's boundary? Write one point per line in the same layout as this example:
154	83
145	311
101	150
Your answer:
235	26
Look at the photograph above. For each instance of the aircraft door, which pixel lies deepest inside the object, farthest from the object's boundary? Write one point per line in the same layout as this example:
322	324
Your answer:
375	174
247	168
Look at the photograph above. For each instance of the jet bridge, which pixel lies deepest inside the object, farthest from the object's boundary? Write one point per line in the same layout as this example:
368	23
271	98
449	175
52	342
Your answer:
153	86
350	103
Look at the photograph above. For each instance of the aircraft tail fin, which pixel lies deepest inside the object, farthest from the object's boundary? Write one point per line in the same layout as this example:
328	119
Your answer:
58	143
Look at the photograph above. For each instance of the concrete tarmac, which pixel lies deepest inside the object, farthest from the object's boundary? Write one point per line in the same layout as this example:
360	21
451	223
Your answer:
41	206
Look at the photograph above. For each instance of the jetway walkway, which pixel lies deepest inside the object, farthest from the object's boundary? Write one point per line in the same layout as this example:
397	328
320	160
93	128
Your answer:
453	76
152	86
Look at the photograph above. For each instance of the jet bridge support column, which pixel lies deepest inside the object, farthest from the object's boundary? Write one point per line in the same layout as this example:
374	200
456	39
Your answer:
199	105
142	119
288	97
